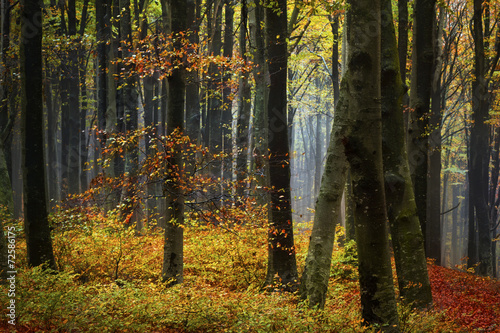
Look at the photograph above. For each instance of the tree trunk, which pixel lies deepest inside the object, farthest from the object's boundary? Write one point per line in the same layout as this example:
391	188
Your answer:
314	280
172	272
363	148
129	99
407	237
38	239
479	147
420	93
103	37
73	120
214	111
227	109
244	111
192	79
282	266
433	229
403	37
260	127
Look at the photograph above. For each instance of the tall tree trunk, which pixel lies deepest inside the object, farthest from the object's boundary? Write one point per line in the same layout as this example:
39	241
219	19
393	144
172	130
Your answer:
479	147
314	280
192	79
214	110
129	99
260	124
73	158
244	111
363	148
53	156
420	93
282	263
403	37
433	229
36	224
6	117
407	238
102	11
334	22
227	110
8	86
172	272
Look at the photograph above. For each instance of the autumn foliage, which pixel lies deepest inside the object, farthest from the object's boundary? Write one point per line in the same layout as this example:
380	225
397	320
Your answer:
110	282
472	301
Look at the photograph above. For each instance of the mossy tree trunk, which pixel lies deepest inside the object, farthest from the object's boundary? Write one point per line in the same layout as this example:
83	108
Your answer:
363	147
314	280
407	236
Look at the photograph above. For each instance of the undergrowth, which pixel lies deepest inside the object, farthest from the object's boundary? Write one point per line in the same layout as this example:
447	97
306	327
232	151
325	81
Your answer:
109	281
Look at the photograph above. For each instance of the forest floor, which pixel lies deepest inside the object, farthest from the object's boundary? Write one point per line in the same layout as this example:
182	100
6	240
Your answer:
110	283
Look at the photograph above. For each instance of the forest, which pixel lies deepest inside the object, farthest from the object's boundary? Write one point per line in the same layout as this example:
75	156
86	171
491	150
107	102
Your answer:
249	166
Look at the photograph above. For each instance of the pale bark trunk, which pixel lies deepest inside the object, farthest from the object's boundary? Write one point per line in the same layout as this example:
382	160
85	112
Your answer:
314	280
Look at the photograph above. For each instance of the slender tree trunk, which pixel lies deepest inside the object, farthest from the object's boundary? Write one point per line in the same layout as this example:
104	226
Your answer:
214	111
244	111
227	109
103	22
334	22
403	37
314	280
172	272
282	266
6	122
38	239
479	147
420	93
433	229
73	158
407	238
318	157
192	80
260	124
8	86
129	100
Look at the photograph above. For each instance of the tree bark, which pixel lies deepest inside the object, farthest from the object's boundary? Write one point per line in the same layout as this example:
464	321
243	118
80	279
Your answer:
173	249
227	109
433	230
479	147
73	118
407	238
282	266
260	125
244	111
420	93
38	239
363	148
314	280
214	111
192	80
